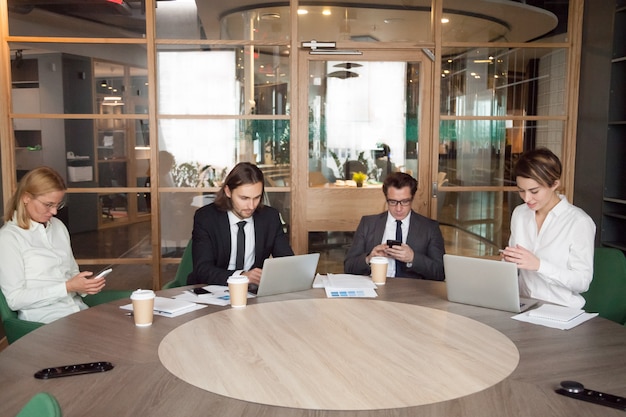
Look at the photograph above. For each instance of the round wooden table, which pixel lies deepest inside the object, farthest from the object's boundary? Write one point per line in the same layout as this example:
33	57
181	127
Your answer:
140	385
346	354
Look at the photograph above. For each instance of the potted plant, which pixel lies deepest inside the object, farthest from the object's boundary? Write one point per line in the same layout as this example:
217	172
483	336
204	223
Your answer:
359	178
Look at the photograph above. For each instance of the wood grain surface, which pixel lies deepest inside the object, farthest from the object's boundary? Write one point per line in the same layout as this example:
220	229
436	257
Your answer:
139	385
343	354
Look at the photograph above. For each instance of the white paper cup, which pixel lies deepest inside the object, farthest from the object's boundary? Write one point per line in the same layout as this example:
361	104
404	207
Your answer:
143	307
379	269
238	290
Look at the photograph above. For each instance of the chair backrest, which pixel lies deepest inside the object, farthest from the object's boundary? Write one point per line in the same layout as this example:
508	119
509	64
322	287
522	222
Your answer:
41	405
14	328
5	310
607	291
184	269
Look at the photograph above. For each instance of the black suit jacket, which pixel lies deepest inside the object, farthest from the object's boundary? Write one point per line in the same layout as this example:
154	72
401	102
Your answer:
211	242
424	238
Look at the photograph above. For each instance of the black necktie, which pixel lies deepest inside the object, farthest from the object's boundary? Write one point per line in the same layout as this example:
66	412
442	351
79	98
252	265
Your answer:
399	239
241	246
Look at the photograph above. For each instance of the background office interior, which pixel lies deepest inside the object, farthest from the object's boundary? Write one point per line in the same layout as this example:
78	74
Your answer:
145	106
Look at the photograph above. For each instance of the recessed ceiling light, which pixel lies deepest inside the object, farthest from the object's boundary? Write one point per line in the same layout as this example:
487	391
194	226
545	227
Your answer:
270	16
326	12
303	11
445	20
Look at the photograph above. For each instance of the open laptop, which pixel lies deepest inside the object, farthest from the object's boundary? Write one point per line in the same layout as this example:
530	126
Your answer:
484	283
288	274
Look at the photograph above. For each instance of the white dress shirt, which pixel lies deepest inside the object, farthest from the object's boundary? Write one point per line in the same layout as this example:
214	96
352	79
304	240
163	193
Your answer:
248	229
390	234
35	263
564	246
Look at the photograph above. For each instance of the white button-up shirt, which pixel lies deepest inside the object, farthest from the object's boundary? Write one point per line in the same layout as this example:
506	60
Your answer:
35	263
564	246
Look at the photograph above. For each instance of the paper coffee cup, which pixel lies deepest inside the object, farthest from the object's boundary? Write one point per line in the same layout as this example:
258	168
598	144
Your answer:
238	290
143	307
379	269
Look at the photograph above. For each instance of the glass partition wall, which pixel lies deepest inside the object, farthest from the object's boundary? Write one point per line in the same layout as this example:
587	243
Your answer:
144	107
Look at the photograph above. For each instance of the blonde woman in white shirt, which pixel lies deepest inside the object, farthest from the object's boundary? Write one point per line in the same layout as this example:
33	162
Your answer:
552	241
39	276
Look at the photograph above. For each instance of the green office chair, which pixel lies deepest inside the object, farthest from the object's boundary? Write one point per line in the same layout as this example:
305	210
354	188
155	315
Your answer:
41	405
184	269
607	290
14	328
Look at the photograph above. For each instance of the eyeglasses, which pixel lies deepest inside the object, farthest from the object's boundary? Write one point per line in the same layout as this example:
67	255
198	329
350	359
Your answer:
50	206
404	203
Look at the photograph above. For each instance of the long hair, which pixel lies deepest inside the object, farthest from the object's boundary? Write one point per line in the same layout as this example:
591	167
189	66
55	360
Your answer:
540	165
37	182
400	180
241	174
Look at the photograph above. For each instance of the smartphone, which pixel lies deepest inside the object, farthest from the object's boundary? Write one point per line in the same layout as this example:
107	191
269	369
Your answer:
391	243
102	274
200	291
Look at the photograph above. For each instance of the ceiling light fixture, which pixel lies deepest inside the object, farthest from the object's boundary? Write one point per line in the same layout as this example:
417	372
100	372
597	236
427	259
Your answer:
347	65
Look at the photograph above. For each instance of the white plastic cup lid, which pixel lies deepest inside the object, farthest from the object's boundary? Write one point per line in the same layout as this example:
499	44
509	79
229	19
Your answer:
237	279
379	260
142	295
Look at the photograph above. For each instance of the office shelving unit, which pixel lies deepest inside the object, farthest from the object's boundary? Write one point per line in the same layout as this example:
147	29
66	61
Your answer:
614	204
28	142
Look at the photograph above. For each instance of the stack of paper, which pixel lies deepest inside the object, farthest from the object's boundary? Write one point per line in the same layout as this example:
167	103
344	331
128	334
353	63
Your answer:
169	307
558	317
346	285
218	295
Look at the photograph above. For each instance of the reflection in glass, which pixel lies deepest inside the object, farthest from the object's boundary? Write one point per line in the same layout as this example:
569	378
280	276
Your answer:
281	201
74	61
383	23
120	89
106	19
332	247
230	80
504	21
177	211
499	82
484	152
205	150
475	223
126	240
257	23
350	131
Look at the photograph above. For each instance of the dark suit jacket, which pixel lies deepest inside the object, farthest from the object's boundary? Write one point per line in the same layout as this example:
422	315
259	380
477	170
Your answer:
210	246
424	238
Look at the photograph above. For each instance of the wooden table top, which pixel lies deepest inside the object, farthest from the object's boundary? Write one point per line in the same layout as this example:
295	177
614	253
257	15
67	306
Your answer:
140	385
335	354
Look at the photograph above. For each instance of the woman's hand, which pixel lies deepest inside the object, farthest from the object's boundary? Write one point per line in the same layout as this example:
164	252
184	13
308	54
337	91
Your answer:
521	256
83	284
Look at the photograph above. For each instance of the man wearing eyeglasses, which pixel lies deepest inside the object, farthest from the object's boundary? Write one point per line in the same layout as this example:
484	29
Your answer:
418	248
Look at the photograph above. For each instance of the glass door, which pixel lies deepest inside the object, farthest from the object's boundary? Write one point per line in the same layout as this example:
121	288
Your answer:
367	115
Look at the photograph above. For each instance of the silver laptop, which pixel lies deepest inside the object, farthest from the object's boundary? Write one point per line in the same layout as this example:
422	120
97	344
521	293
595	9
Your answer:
288	274
484	283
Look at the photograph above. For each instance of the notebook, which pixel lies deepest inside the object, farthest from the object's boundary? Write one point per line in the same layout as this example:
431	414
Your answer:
288	274
484	283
